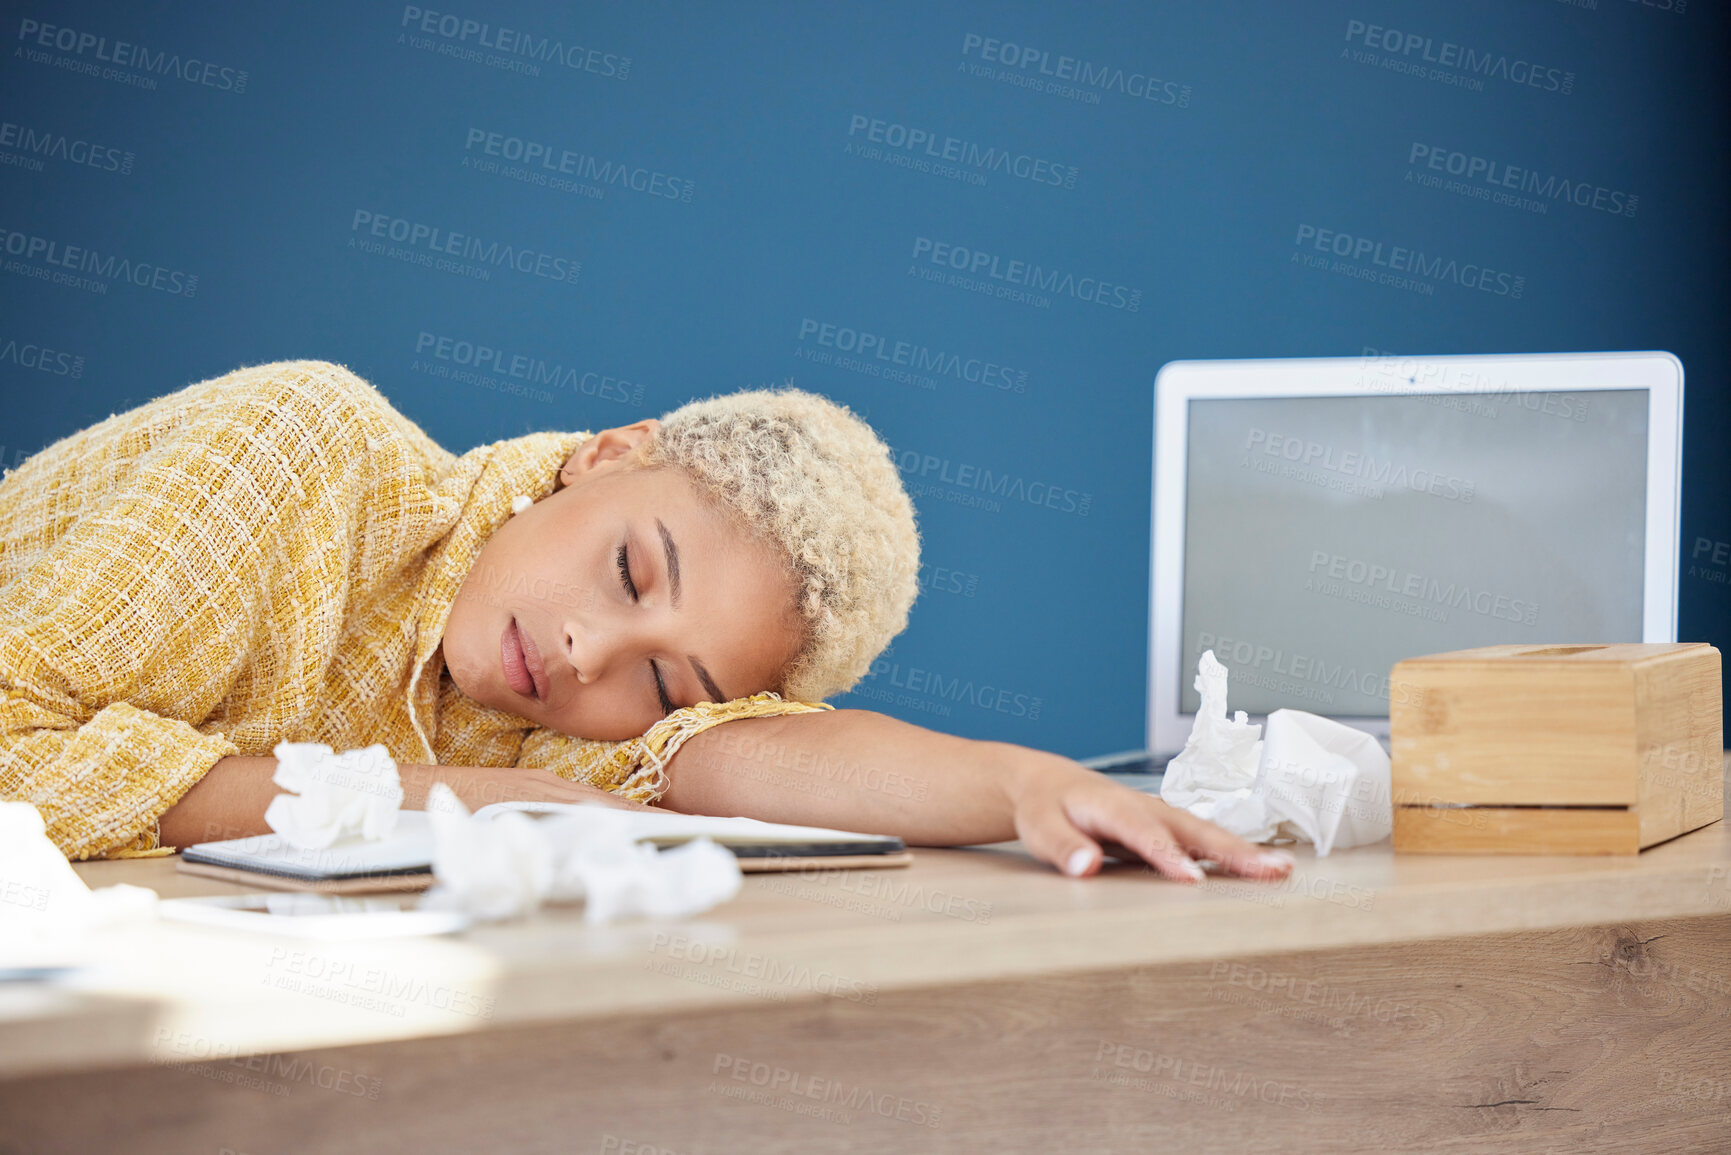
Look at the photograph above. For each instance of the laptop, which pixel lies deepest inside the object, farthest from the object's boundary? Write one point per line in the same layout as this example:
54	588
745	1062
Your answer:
1317	520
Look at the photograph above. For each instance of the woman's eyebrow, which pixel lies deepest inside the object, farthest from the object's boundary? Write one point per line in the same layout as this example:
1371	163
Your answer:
673	595
715	693
672	562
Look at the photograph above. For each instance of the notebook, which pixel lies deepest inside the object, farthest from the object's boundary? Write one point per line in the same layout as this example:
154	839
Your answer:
404	860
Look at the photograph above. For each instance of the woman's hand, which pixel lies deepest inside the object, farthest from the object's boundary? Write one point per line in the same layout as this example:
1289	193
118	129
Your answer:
860	770
1064	811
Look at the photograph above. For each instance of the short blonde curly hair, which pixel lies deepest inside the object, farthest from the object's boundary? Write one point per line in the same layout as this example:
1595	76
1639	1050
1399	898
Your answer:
810	478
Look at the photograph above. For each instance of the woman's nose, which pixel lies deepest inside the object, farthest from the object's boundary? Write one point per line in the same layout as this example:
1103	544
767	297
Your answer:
585	653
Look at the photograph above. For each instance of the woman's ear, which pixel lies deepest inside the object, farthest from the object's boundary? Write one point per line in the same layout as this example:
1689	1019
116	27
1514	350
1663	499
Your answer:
607	446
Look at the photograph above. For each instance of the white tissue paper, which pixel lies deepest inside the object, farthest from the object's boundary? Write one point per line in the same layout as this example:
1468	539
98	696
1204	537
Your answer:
1324	782
338	797
491	870
510	864
1311	778
43	902
1213	775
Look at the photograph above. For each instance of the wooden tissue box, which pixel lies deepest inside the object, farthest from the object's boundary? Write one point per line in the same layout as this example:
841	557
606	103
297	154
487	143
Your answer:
1555	749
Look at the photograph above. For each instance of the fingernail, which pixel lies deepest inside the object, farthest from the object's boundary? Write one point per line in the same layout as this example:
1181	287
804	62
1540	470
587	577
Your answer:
1194	871
1276	858
1078	861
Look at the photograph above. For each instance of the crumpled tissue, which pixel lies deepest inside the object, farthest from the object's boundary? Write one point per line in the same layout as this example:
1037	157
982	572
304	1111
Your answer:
1213	775
337	796
1310	778
43	902
510	864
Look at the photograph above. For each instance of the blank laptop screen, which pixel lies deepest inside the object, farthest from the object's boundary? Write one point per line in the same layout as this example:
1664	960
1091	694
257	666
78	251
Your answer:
1326	538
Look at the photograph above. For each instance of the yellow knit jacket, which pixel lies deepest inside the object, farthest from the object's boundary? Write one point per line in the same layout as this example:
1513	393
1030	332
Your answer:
270	555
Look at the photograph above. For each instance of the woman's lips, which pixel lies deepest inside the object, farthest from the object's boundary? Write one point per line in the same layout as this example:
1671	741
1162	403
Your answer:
537	670
515	649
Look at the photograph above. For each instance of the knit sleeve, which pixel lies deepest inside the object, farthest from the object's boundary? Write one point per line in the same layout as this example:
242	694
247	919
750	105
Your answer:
637	767
207	540
100	785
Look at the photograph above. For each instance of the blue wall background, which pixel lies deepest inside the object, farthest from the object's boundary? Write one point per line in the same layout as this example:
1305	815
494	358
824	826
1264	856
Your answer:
633	205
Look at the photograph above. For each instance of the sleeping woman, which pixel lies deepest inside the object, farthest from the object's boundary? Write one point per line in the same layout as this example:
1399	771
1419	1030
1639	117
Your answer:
652	614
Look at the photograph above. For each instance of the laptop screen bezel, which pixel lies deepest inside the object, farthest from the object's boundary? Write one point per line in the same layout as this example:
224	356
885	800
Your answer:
1180	382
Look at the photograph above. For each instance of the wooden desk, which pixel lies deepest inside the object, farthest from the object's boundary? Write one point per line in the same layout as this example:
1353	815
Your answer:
974	1002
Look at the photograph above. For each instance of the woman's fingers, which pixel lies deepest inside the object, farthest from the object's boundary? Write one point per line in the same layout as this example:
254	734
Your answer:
1066	825
1205	840
1060	825
1139	829
1050	836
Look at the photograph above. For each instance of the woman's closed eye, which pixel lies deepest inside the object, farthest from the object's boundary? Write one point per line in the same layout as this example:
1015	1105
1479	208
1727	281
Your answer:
623	560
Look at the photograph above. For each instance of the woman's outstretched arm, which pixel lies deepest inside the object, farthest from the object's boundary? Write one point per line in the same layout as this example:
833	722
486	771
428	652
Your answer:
865	771
230	800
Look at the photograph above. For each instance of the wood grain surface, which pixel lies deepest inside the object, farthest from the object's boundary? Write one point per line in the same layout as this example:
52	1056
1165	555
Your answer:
974	1001
1602	1039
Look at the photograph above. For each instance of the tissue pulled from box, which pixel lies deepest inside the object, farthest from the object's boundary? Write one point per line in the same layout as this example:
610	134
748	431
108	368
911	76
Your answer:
1213	776
337	797
1325	782
508	865
1309	778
